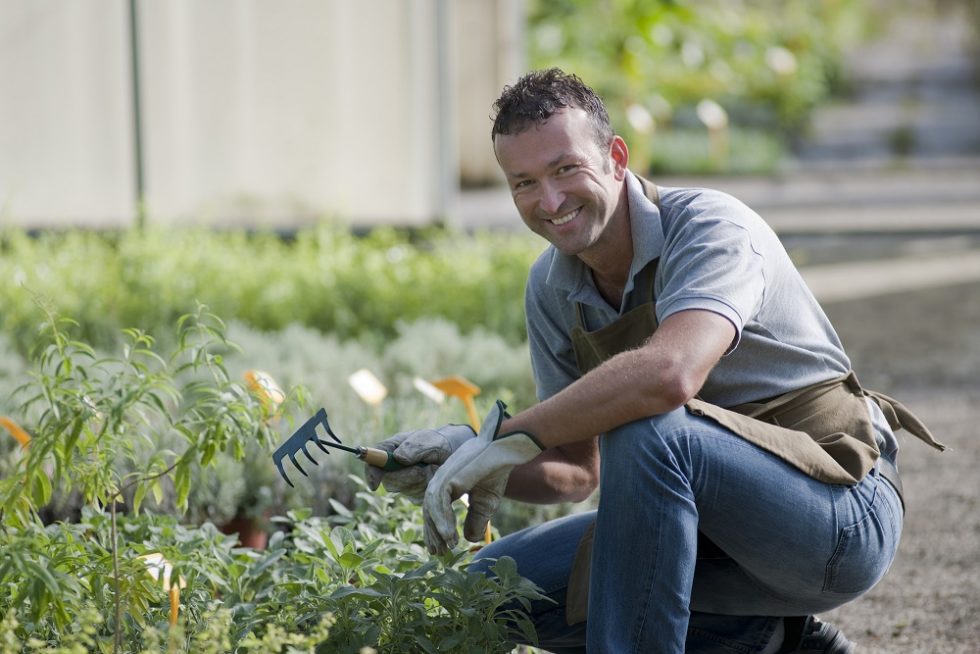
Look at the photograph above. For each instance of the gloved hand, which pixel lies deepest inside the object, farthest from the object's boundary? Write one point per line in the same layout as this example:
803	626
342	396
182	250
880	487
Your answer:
411	447
480	467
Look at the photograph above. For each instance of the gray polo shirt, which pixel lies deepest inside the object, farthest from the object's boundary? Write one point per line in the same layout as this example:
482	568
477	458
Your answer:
714	254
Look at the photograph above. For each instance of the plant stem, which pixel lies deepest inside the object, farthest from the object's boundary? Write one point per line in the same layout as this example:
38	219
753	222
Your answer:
113	548
141	480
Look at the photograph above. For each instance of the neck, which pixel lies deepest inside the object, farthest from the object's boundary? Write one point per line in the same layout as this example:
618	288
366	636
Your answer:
610	262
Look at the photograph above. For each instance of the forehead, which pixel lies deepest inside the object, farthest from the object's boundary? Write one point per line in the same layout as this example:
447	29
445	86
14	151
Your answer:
568	132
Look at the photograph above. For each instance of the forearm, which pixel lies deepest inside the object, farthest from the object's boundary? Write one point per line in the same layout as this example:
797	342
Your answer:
630	386
561	474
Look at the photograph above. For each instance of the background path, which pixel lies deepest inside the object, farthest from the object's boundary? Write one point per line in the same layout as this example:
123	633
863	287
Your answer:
905	154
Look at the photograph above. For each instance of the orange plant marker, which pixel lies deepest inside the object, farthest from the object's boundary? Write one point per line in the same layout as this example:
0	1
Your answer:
160	569
263	385
463	389
15	431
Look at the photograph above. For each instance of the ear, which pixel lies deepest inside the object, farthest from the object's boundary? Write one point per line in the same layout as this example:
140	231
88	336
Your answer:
620	156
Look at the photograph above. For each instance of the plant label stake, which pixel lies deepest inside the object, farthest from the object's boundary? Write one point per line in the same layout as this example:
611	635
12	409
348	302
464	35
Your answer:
269	392
159	567
368	387
307	434
428	390
19	434
464	389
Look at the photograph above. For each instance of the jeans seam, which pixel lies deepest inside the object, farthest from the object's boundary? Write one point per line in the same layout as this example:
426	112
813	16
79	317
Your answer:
830	574
668	439
648	585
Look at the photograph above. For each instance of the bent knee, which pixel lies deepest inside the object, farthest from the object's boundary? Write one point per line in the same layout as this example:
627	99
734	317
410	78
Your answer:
655	431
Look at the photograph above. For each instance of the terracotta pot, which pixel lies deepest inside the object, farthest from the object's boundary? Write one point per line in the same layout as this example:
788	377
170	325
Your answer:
251	532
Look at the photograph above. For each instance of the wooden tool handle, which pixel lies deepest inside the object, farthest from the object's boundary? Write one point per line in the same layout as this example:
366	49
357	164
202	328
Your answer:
380	459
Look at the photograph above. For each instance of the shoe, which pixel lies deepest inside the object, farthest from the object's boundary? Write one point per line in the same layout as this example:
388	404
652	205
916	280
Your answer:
808	635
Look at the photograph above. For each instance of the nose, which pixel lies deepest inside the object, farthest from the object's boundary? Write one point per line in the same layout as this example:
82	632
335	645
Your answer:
551	198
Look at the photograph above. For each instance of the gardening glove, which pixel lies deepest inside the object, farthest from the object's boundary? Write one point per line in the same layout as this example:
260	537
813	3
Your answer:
432	446
480	467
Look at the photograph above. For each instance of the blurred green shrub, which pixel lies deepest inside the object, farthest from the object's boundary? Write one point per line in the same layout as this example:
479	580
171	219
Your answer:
768	63
326	278
685	150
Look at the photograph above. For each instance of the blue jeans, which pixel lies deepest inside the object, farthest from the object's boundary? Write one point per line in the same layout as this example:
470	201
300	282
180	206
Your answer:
786	544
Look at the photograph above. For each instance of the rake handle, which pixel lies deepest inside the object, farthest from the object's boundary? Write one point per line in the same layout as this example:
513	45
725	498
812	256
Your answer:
379	458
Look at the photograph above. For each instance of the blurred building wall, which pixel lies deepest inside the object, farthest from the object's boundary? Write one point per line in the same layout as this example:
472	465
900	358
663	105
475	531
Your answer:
253	112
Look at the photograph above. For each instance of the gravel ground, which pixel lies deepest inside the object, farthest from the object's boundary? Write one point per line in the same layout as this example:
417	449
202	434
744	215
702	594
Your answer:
923	348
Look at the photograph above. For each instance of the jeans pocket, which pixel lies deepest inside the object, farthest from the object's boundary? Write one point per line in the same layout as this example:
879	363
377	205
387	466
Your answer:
862	555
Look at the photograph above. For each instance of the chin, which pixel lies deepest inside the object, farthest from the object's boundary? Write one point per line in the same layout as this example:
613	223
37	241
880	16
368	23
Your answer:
568	249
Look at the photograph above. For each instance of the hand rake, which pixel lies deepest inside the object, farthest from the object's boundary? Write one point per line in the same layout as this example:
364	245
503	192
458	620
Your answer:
307	434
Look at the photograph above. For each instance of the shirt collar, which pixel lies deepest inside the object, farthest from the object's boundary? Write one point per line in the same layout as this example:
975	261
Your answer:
568	273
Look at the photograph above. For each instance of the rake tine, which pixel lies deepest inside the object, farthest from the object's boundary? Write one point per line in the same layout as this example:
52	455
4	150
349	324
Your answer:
292	457
307	453
282	472
322	415
320	418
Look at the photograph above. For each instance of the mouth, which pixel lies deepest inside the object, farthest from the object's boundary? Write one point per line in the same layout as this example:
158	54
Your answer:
565	218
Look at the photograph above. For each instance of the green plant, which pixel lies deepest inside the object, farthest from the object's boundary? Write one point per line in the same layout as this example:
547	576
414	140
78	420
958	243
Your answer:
97	424
689	151
11	374
363	571
117	430
390	594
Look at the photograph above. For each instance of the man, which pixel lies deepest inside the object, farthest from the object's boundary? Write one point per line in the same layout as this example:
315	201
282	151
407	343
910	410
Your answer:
683	369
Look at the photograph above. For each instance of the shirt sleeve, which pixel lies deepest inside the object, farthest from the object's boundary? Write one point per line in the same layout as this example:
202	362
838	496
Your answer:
710	263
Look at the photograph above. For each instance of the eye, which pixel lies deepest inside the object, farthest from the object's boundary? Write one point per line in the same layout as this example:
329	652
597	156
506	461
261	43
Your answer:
522	184
568	168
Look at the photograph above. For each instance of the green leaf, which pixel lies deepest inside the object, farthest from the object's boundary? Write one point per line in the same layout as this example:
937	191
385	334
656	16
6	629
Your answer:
266	563
350	560
182	485
157	489
346	592
340	509
40	486
207	456
73	435
138	496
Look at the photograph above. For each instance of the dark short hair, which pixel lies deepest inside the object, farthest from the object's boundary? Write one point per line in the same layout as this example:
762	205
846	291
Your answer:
538	95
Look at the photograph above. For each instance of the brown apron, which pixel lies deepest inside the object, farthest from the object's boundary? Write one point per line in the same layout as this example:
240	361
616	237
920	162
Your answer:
824	430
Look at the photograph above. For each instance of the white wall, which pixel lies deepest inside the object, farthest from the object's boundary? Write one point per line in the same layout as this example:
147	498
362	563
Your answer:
254	112
65	146
491	54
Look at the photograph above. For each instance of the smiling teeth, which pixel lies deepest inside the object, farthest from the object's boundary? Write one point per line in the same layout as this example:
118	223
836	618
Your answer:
564	219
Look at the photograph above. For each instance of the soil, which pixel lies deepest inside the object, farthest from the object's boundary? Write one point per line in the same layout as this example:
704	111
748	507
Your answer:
923	348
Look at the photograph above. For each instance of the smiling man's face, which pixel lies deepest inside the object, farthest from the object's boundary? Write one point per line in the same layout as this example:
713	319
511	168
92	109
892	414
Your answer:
565	187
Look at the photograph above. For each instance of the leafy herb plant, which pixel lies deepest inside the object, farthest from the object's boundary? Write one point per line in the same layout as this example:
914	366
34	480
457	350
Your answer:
122	432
